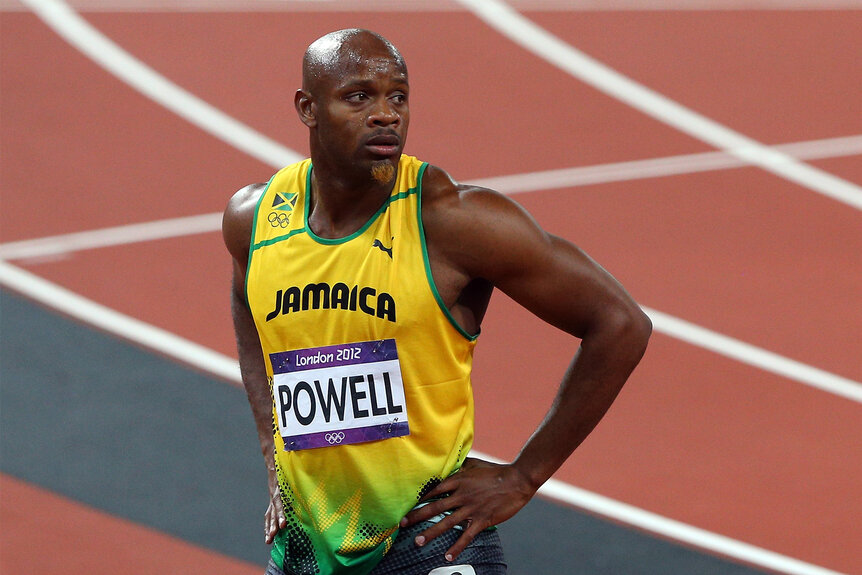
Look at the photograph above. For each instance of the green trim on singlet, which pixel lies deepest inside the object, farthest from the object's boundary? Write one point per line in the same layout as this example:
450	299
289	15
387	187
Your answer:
251	246
374	216
277	239
428	274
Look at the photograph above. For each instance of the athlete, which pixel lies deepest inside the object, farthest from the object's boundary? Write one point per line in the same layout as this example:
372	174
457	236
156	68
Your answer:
360	279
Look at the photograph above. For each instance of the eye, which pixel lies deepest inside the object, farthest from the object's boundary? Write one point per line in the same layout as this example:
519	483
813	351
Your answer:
356	97
399	98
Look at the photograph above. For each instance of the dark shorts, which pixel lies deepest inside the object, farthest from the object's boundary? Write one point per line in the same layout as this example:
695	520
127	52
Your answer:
484	555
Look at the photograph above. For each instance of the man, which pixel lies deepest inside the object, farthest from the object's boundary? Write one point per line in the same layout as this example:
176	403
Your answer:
361	277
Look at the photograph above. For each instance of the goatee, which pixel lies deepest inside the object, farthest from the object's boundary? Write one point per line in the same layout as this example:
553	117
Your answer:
383	171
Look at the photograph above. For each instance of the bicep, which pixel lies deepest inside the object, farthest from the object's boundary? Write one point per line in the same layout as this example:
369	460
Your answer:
236	231
546	274
566	288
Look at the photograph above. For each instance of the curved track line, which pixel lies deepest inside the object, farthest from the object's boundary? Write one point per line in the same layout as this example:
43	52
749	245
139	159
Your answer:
91	42
530	36
221	366
98	47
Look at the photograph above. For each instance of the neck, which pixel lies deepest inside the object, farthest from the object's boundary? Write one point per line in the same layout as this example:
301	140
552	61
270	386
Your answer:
340	205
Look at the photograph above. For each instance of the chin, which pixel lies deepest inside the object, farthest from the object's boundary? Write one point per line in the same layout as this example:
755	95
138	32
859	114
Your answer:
383	171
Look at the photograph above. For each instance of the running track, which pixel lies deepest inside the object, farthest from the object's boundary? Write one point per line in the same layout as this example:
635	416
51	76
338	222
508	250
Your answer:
718	176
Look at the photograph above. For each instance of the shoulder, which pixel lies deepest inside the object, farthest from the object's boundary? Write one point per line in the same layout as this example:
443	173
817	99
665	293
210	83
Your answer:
483	231
445	199
245	199
238	219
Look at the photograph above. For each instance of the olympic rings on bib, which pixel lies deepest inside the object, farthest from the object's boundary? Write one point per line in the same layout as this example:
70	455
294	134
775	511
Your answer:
334	438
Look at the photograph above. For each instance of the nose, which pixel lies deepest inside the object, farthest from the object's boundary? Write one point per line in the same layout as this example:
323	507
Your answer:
384	114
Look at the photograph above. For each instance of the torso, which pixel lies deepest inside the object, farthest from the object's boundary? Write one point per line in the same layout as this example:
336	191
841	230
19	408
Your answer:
311	297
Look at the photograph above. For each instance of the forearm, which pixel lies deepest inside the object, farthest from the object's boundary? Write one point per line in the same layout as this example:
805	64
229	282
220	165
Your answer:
595	377
254	378
258	394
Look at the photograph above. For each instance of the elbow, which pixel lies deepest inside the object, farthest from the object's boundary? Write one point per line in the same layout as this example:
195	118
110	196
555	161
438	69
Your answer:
644	329
632	329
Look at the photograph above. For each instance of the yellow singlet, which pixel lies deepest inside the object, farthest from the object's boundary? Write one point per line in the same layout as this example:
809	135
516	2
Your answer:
370	374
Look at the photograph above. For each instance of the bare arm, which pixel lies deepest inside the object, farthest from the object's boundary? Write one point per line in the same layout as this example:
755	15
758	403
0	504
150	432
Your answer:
236	229
476	233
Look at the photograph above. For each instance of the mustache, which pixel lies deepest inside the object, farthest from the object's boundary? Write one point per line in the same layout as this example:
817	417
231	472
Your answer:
384	138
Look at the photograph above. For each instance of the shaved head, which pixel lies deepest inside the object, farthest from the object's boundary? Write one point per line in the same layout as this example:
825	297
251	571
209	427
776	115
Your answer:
354	100
334	54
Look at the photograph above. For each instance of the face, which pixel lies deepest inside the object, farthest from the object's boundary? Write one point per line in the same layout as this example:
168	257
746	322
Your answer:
358	112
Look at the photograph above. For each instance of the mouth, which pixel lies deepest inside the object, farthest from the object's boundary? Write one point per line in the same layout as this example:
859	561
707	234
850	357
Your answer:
383	144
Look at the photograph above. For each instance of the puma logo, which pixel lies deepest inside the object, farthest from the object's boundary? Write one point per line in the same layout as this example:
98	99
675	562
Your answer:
379	244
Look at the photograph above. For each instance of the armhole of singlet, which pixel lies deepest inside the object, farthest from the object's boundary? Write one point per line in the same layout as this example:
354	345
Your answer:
252	238
428	275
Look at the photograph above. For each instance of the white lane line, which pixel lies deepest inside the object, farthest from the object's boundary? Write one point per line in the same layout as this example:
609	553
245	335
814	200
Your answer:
606	507
679	531
63	244
825	148
111	321
660	167
224	367
535	39
755	356
77	32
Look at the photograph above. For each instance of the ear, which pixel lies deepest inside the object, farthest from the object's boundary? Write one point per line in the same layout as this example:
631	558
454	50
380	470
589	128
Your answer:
306	108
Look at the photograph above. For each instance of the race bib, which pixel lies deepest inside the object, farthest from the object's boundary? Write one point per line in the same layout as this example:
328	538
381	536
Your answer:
339	394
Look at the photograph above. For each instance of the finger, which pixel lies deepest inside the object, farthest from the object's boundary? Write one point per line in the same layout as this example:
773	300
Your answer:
268	532
271	532
430	510
281	518
272	524
267	525
466	538
439	528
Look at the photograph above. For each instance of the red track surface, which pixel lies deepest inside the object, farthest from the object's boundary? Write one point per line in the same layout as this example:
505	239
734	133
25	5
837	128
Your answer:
695	436
86	541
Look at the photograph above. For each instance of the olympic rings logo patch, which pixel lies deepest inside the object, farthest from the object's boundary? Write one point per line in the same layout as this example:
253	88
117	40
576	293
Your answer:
334	438
278	219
